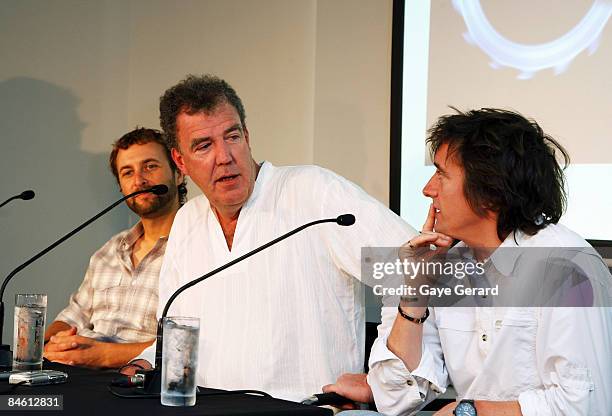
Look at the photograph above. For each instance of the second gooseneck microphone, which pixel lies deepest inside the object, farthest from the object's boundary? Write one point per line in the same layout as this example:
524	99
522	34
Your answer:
152	377
25	195
5	349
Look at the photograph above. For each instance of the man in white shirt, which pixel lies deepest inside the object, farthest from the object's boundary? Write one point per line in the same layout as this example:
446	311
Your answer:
497	184
290	318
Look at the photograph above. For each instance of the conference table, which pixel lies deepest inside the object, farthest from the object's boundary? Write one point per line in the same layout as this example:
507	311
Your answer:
87	393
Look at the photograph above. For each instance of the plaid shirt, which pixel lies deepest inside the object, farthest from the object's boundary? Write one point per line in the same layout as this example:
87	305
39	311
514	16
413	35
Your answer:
117	302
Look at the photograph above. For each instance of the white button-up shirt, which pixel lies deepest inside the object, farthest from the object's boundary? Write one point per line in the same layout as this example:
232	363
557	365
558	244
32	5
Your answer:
554	361
289	319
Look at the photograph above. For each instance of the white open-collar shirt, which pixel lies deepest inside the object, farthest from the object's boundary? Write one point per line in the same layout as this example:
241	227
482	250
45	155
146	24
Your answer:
291	318
554	361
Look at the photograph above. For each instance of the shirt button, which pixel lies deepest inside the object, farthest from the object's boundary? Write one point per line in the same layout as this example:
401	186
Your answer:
498	324
484	337
409	382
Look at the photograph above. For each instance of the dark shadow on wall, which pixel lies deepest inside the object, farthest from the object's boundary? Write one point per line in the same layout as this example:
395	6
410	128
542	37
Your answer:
41	150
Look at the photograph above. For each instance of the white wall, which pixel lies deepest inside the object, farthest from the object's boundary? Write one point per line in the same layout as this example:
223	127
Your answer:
314	76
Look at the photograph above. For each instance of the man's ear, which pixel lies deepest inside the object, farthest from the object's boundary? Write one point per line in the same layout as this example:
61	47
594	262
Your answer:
179	162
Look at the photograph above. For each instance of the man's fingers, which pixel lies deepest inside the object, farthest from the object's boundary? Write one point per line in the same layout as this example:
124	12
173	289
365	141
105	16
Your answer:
328	388
443	241
431	219
64	339
62	346
60	357
426	239
421	240
336	388
67	332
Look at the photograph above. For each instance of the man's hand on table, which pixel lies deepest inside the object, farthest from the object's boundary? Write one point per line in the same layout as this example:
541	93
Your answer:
353	387
66	347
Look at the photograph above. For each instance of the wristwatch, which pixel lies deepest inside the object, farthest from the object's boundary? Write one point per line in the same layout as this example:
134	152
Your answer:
465	408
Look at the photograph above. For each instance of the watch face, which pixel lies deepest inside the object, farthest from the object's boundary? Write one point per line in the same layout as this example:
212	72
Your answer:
465	409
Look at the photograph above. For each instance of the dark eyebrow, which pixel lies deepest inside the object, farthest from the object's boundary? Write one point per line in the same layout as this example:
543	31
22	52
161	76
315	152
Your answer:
236	126
195	142
151	159
439	167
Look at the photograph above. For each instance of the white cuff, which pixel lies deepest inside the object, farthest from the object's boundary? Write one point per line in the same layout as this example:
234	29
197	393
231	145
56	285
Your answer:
395	389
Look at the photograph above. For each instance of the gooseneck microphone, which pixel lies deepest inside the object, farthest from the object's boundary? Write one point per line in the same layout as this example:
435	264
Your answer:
25	195
5	350
152	381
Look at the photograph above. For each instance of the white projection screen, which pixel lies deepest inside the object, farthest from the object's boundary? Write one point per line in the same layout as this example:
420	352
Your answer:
548	60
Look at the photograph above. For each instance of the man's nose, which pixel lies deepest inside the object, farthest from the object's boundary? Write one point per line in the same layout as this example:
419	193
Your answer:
430	190
141	177
223	154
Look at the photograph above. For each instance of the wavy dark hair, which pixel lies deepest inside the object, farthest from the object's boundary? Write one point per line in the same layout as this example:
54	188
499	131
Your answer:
192	95
141	135
510	167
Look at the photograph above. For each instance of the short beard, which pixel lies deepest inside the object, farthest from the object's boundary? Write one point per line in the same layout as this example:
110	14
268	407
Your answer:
158	204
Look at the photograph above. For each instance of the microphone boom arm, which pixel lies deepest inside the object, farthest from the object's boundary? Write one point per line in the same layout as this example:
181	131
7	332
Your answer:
8	278
9	200
344	220
239	259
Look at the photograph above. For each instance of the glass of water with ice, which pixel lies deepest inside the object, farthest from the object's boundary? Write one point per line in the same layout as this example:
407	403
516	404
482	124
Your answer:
179	360
29	332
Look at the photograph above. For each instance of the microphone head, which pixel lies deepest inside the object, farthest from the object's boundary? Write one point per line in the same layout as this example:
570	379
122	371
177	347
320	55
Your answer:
25	195
159	189
346	219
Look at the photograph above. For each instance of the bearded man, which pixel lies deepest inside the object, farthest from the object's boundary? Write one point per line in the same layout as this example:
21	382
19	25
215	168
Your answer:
110	319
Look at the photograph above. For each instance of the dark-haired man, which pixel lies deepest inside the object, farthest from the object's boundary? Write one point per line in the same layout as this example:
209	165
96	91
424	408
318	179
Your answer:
111	317
292	316
498	188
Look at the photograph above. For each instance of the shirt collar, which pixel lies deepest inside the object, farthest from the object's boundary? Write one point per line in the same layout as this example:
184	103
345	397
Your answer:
129	239
504	260
265	171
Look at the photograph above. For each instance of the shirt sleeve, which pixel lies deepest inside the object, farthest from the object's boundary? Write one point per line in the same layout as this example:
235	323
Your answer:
80	306
574	361
396	390
375	224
